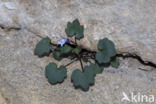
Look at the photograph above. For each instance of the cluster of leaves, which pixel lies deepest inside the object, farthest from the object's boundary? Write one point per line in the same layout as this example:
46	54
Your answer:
85	77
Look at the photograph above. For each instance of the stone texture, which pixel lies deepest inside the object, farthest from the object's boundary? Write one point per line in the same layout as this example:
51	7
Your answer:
130	24
2	99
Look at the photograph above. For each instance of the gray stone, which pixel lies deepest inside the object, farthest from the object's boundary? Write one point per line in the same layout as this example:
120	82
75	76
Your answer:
130	24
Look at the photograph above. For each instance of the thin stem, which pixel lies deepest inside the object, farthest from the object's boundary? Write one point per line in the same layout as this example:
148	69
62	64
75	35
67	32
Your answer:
70	63
81	62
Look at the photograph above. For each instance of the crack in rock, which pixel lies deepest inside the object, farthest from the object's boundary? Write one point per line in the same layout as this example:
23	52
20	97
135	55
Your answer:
9	28
135	56
123	55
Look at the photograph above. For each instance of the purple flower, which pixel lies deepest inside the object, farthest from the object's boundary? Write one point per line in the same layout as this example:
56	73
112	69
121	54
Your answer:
62	41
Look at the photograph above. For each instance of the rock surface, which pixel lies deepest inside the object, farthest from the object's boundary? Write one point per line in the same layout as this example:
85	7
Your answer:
2	100
131	24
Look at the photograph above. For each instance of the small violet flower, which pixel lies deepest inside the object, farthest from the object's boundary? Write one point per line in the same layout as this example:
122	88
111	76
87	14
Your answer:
62	41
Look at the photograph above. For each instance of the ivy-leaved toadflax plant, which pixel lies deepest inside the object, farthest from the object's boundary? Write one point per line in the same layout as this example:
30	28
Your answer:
81	78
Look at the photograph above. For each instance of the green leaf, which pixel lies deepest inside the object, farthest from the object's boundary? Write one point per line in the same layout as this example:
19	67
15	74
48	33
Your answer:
107	50
102	57
79	80
57	55
90	74
65	49
80	34
76	50
60	52
70	57
43	47
96	68
115	63
55	75
75	29
83	79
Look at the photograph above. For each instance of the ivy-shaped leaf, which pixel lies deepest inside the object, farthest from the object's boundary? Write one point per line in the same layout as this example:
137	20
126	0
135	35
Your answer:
55	75
96	68
90	74
65	49
75	29
60	52
83	79
57	55
107	50
43	47
80	80
115	63
76	50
